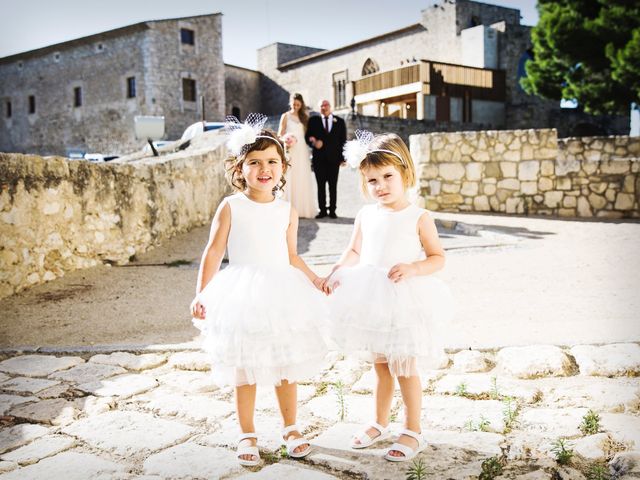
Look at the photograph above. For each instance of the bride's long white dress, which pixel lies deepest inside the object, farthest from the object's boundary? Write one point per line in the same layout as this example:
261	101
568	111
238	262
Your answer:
300	187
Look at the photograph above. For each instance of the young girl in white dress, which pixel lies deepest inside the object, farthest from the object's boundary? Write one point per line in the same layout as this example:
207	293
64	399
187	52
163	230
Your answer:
261	315
300	189
384	299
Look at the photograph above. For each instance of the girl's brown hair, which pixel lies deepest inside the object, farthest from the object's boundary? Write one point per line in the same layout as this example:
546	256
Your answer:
402	161
302	113
234	164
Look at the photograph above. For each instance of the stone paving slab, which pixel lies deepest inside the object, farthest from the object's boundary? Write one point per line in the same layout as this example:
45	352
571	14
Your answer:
38	365
40	448
607	360
54	411
128	433
27	384
190	460
130	361
487	385
281	471
195	407
9	401
185	381
88	372
122	386
452	413
19	435
601	394
70	466
552	422
198	361
469	361
533	361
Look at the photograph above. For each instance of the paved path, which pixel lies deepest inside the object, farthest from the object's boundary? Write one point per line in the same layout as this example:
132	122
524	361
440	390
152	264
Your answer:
517	281
122	392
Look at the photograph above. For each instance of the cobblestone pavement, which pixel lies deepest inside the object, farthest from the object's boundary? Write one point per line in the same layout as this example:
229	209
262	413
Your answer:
545	348
157	415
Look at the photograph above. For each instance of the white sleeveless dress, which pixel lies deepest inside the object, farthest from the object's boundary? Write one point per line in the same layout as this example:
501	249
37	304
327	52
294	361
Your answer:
300	186
264	318
399	323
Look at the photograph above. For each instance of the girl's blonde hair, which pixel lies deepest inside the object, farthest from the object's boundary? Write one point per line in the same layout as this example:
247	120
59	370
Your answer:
234	164
302	113
376	158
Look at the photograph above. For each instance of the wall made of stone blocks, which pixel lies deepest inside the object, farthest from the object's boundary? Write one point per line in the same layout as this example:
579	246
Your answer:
529	172
58	215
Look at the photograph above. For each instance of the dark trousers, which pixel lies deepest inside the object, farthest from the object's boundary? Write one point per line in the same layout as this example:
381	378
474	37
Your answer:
326	176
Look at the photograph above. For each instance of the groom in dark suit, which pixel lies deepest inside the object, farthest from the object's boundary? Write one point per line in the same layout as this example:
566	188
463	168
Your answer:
326	135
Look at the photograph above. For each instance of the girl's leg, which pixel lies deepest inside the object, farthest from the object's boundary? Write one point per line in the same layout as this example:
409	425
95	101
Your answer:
411	389
245	406
287	394
384	396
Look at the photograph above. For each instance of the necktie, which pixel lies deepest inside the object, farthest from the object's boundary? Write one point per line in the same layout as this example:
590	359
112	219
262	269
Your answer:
326	123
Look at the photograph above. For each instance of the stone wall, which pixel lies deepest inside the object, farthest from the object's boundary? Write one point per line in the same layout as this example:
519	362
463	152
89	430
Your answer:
58	215
100	64
529	172
241	90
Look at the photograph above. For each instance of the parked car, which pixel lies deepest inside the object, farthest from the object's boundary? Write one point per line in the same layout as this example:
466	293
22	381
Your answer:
99	157
200	127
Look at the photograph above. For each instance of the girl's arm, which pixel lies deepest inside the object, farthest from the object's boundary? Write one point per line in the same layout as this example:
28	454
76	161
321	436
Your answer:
283	125
292	245
432	248
213	254
351	256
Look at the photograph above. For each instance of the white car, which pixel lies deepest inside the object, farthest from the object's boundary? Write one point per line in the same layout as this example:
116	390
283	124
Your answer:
200	127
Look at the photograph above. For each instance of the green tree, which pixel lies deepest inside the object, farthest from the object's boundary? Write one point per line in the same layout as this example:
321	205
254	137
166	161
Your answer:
589	51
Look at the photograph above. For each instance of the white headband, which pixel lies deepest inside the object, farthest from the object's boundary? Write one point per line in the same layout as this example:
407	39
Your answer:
356	150
244	134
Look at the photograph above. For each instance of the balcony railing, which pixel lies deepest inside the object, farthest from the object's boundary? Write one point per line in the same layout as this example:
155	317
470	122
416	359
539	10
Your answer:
439	79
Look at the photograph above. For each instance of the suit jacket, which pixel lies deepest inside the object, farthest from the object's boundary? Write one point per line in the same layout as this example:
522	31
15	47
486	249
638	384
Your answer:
330	155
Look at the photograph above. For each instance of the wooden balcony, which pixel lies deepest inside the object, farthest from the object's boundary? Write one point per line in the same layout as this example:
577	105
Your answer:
437	78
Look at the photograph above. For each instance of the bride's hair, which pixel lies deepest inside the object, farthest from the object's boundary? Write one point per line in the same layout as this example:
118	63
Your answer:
302	113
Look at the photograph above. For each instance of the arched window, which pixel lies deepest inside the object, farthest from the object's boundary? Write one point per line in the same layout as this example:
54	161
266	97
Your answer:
369	67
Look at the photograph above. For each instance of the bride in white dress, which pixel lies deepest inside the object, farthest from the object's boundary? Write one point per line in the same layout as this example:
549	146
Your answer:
300	187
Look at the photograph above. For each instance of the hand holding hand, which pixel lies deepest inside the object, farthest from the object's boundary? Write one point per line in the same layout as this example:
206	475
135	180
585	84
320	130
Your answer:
318	144
402	271
197	309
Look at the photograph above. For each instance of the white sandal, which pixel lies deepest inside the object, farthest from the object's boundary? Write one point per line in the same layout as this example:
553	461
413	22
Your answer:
365	440
252	450
408	452
295	443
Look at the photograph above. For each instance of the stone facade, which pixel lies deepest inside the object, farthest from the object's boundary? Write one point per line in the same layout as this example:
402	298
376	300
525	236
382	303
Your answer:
100	66
529	172
438	36
58	215
242	91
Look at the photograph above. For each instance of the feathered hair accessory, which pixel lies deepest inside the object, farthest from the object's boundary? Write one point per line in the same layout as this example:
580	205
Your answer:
242	135
356	150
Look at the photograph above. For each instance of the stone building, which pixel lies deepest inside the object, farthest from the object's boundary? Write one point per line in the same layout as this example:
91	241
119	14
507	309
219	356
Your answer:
457	68
460	64
83	94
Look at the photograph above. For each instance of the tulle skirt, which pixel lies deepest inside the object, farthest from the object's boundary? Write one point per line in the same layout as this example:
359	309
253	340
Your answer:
402	324
263	325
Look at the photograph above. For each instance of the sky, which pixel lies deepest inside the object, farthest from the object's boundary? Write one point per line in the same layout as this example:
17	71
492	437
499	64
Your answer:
247	24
